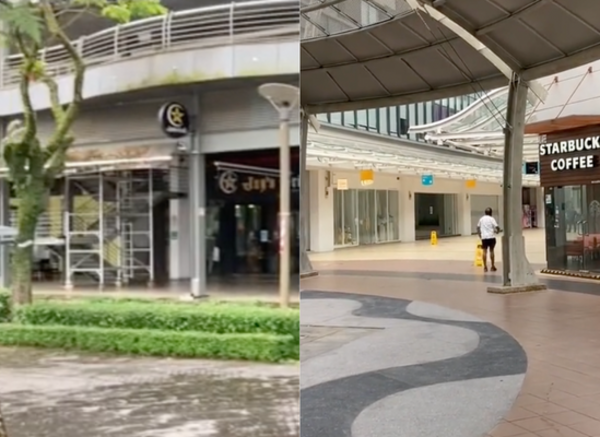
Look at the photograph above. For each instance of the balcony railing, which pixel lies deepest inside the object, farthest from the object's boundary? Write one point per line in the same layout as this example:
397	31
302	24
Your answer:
234	23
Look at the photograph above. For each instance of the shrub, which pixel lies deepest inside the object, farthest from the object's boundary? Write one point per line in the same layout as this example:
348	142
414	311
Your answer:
257	347
5	306
215	318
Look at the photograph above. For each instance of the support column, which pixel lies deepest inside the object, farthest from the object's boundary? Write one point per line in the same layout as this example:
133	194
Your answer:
517	273
197	197
4	221
407	213
321	212
179	240
464	214
540	207
306	268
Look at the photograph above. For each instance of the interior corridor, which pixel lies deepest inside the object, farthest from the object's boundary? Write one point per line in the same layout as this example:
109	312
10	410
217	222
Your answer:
452	249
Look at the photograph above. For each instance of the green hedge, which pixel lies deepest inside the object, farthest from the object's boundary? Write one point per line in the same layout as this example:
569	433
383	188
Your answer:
256	347
5	306
205	317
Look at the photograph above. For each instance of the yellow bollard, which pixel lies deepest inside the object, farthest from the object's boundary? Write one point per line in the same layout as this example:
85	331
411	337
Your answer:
479	255
433	238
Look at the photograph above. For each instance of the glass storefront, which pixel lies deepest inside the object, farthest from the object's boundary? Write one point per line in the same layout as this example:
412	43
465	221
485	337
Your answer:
365	217
243	235
573	227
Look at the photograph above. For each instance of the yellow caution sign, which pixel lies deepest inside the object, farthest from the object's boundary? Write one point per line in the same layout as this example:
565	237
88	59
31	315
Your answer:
433	238
479	255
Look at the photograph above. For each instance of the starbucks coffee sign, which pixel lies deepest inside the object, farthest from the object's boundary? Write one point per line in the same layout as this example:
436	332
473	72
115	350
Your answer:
578	161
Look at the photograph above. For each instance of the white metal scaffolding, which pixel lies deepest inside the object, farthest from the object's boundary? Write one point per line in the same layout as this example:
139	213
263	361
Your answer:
109	228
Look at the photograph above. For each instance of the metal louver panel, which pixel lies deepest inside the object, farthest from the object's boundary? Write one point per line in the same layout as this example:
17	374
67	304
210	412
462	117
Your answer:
110	124
237	110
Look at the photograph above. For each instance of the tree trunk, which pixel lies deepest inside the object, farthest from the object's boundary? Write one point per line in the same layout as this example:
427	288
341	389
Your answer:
31	205
3	432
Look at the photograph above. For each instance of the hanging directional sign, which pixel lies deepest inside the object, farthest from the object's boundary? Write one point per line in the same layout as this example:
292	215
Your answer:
427	180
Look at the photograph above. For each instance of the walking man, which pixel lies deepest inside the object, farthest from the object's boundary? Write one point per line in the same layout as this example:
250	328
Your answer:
487	228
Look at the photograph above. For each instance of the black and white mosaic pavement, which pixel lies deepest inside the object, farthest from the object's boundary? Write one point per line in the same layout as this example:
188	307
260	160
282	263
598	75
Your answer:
382	367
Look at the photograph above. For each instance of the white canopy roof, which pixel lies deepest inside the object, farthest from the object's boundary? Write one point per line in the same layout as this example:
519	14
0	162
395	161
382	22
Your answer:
479	127
343	148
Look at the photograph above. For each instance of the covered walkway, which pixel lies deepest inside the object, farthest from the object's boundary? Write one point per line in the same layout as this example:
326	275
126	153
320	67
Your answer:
437	372
456	252
358	54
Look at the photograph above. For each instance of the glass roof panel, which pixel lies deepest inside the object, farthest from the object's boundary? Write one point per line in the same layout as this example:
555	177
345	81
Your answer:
487	108
331	17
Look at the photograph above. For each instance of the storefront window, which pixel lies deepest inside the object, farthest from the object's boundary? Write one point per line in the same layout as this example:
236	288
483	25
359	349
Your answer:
573	227
393	211
350	219
382	215
344	218
338	218
366	217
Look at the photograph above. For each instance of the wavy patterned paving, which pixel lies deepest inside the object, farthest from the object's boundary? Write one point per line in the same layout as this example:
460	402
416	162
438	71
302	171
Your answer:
375	366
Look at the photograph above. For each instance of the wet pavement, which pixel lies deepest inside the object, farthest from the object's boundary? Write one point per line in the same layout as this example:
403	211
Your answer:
46	394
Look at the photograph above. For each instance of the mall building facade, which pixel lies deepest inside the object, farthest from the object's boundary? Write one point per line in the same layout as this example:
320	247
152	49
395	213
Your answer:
367	188
139	207
570	176
411	197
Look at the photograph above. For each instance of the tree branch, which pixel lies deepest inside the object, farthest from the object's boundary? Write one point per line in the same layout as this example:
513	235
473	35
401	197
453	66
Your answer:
29	115
58	142
56	107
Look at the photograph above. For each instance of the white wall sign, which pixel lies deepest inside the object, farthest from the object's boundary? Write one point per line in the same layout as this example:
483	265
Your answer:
342	184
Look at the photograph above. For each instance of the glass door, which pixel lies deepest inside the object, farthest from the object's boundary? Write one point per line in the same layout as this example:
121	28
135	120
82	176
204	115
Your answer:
575	218
248	241
592	228
366	212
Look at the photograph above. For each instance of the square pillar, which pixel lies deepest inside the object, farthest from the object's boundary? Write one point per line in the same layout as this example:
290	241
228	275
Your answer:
306	268
321	211
179	239
4	220
464	214
407	213
197	207
540	207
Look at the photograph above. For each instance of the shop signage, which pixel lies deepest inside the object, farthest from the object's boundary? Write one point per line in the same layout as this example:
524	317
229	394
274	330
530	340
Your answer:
342	184
174	120
232	182
427	180
578	162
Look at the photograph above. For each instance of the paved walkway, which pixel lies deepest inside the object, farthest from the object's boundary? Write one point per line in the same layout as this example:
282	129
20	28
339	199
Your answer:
48	394
421	372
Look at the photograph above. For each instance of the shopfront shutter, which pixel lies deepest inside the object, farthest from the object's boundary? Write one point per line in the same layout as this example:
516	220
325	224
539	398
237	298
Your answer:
479	202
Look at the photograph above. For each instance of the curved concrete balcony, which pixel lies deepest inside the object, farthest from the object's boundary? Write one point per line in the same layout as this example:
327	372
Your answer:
237	40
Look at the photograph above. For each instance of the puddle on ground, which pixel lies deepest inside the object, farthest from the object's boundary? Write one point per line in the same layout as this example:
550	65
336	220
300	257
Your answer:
45	394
